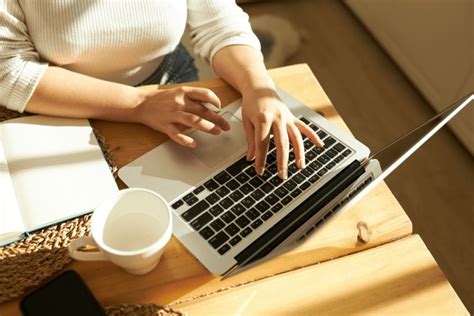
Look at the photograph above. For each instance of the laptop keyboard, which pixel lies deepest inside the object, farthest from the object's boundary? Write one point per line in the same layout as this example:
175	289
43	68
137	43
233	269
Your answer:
240	200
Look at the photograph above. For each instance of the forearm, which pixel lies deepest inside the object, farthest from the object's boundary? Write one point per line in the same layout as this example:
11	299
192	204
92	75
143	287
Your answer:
243	68
68	94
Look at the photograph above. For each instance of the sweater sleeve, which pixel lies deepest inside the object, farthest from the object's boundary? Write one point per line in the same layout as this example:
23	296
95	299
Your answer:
20	66
215	24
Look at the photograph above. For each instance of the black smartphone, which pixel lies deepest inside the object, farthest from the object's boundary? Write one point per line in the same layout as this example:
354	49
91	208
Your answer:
67	294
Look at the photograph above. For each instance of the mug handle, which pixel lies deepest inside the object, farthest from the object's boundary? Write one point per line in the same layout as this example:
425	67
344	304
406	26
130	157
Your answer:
83	255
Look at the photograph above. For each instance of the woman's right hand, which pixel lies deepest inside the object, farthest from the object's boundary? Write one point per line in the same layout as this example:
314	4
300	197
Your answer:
172	111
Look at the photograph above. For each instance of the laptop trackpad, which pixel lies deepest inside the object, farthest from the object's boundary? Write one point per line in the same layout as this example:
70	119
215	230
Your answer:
212	150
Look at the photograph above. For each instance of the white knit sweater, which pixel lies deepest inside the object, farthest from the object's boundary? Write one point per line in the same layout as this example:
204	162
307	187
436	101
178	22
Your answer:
116	40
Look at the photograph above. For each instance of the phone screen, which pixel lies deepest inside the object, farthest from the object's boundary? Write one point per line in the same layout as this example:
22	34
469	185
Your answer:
66	294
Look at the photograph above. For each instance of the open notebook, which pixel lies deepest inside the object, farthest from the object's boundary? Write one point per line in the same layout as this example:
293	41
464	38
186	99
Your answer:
51	169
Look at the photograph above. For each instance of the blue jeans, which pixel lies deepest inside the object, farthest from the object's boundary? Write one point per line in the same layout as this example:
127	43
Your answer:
177	66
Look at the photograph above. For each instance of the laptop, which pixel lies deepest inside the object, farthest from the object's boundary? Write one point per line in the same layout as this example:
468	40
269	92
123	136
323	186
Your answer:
230	218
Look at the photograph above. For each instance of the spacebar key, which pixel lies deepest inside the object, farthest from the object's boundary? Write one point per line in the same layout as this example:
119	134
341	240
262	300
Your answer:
238	166
195	210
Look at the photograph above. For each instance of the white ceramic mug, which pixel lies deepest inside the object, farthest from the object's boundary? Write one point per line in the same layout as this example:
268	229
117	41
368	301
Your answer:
131	229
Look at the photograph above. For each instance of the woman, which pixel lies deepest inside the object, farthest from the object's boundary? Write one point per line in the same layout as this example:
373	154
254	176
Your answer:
82	59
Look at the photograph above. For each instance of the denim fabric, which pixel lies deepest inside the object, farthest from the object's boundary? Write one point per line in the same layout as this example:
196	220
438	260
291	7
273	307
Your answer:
178	66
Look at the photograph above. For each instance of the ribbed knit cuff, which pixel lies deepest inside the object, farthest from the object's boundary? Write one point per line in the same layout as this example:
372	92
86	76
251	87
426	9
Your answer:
25	85
251	41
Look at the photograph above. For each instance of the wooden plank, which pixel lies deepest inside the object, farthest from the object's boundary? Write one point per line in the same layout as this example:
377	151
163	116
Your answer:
179	275
380	281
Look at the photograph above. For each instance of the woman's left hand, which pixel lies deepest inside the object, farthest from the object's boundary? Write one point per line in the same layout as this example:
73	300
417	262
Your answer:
264	114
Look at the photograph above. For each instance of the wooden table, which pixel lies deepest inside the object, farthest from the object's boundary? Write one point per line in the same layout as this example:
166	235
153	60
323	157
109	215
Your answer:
181	280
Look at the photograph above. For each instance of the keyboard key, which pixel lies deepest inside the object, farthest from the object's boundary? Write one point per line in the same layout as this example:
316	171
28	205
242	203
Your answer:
192	200
206	232
271	158
198	190
330	165
257	194
262	206
232	229
313	178
248	202
226	203
234	241
242	178
222	250
266	175
222	177
292	169
305	120
267	187
211	185
339	147
291	156
308	171
289	184
222	191
257	223
298	178
322	134
313	127
217	225
310	155
308	144
238	209
238	166
272	199
328	142
267	215
296	192
232	185
252	214
338	158
318	150
251	172
281	192
315	165
323	159
305	185
213	198
201	221
346	152
286	200
246	189
246	232
273	169
236	195
256	182
276	208
331	153
218	240
216	210
322	172
228	217
177	204
195	210
242	221
188	196
276	181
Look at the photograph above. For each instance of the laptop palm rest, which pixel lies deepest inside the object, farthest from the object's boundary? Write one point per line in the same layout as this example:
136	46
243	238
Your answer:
171	169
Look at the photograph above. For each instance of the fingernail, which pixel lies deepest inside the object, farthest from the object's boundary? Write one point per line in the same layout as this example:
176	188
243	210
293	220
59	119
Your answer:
283	174
249	158
301	163
260	170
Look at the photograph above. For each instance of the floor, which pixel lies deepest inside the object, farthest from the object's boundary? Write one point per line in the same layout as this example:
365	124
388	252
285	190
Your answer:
434	186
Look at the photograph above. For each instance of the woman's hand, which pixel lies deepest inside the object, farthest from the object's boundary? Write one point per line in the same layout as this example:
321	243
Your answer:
172	111
264	114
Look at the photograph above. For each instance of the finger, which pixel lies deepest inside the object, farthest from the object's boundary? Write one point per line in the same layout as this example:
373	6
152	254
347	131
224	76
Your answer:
203	95
197	122
280	136
308	132
207	114
175	134
262	137
250	136
298	147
